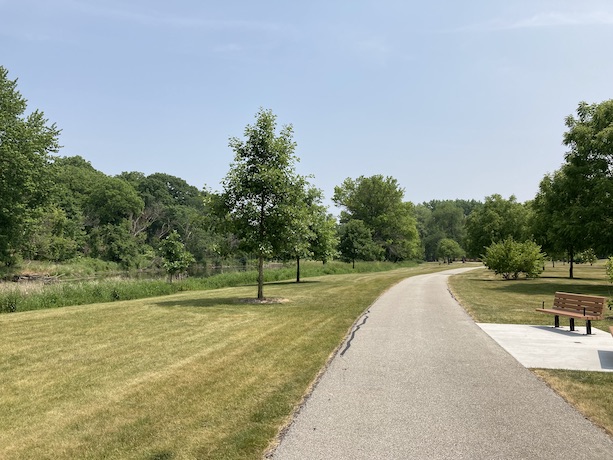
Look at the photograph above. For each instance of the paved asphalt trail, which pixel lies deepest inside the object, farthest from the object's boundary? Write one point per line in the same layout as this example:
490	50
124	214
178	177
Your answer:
421	380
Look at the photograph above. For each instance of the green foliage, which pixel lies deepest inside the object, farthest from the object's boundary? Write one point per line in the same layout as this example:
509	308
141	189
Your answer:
26	143
262	192
586	257
377	202
449	250
324	245
176	259
437	220
495	221
609	269
115	243
356	243
312	231
112	200
573	209
510	258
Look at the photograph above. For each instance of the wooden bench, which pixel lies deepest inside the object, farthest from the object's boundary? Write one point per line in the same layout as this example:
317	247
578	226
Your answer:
576	306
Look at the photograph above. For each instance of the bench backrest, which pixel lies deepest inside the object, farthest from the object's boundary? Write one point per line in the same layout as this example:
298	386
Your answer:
589	305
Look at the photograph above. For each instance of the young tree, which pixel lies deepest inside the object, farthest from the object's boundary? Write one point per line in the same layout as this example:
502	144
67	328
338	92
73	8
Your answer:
262	190
356	243
176	259
377	202
325	243
26	145
311	233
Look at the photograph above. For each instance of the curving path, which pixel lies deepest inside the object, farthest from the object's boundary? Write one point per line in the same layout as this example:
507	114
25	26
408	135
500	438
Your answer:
420	379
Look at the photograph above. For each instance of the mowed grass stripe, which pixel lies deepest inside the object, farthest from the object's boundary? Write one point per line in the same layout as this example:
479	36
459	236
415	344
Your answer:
192	375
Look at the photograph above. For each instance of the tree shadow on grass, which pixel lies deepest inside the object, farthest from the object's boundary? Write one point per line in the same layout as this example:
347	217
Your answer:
212	302
207	302
576	286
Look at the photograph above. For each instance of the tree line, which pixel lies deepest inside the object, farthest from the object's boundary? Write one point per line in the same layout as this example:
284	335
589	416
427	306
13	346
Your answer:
61	208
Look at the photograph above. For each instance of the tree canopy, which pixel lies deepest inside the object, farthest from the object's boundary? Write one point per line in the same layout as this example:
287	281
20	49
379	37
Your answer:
573	210
496	220
26	145
442	219
377	201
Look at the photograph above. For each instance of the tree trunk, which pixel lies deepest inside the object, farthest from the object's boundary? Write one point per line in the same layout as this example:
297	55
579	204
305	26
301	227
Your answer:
261	277
297	269
261	256
571	256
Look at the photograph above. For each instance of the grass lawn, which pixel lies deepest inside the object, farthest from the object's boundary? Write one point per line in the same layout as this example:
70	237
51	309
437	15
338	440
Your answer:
192	375
489	299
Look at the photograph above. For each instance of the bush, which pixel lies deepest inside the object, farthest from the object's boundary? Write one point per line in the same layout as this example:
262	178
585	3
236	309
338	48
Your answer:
586	257
510	258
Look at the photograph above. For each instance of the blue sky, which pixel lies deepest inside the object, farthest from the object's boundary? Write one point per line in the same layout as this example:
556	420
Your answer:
453	99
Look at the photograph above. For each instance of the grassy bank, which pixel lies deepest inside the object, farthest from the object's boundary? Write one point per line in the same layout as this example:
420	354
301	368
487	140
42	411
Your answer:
191	375
488	299
37	295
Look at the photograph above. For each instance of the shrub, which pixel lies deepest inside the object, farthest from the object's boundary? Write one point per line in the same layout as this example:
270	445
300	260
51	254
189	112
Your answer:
510	258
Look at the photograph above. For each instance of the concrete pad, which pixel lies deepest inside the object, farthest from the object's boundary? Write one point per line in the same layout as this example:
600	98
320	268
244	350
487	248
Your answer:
554	348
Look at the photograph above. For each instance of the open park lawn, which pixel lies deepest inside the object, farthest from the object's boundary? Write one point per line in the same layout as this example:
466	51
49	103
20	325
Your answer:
489	299
192	375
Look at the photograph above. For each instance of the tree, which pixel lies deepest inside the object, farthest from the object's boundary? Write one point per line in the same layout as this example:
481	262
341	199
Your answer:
112	200
170	203
311	233
356	243
26	146
176	259
449	250
262	190
325	242
573	210
377	202
496	220
589	168
438	220
509	258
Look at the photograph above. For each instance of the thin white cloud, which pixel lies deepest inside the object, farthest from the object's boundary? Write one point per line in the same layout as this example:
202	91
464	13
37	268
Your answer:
561	19
552	19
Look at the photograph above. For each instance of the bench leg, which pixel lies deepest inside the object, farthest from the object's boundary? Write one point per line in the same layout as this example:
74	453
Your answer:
588	327
556	321
572	324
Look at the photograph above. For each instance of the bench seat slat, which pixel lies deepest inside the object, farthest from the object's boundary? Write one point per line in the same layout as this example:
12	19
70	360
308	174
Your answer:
554	311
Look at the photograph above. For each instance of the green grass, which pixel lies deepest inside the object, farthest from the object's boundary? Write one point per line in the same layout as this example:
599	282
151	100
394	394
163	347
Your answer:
590	392
488	299
190	375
